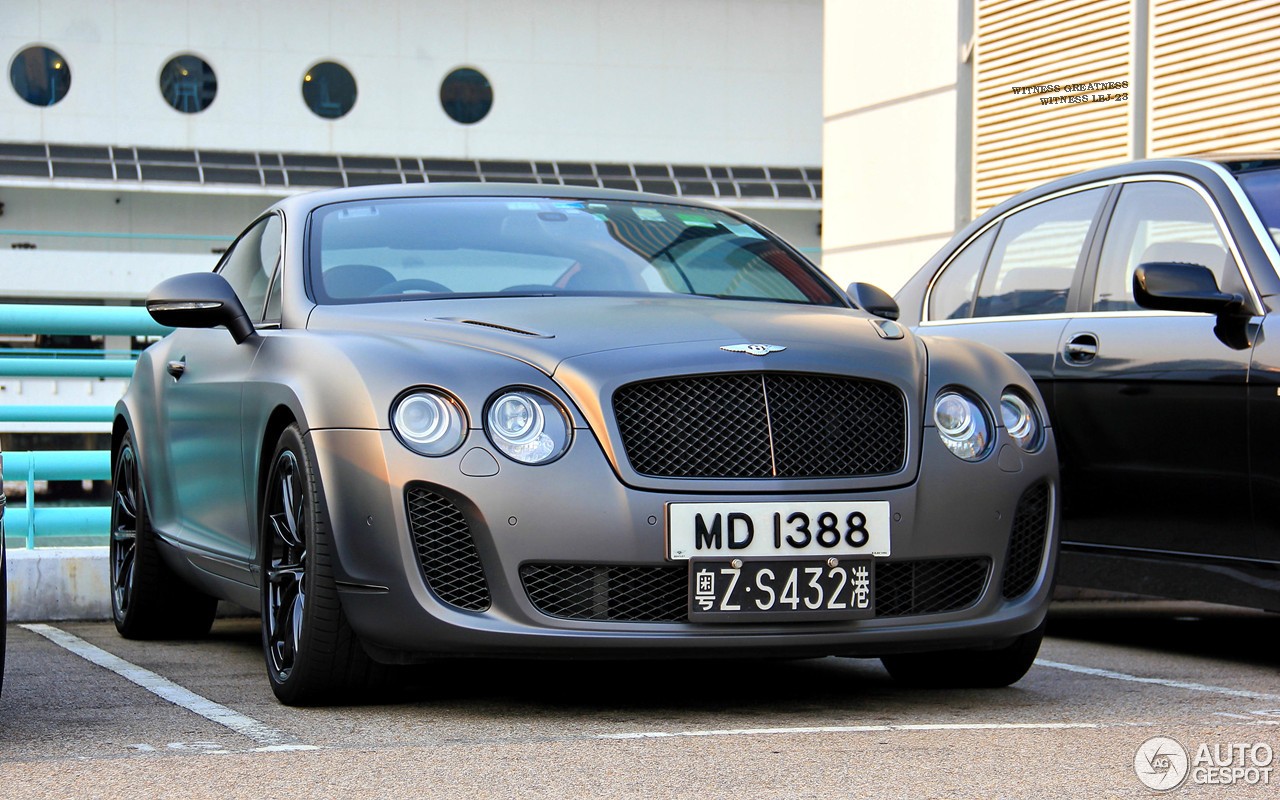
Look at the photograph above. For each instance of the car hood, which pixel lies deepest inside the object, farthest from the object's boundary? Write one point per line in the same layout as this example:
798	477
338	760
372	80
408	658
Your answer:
555	334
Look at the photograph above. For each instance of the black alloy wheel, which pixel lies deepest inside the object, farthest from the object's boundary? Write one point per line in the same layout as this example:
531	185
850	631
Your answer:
148	601
312	655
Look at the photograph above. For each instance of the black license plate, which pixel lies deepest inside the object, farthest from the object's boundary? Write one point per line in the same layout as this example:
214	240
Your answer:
746	590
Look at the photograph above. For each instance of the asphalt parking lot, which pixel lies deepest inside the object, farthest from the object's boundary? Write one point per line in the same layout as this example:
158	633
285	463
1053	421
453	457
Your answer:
87	714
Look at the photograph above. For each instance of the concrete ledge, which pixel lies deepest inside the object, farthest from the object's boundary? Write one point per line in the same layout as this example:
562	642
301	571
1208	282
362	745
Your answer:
58	583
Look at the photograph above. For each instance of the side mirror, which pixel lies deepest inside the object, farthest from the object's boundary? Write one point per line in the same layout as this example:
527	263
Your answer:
873	300
199	300
1169	286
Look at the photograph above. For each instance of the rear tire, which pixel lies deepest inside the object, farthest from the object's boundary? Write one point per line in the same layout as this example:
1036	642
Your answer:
148	601
313	657
972	669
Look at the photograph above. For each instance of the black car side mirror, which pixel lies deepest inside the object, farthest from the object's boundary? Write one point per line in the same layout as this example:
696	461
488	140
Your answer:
873	300
1170	286
199	300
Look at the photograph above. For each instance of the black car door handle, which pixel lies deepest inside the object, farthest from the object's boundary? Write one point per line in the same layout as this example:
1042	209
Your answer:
176	368
1081	349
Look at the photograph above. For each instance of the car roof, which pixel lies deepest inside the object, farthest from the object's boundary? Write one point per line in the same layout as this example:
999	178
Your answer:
307	201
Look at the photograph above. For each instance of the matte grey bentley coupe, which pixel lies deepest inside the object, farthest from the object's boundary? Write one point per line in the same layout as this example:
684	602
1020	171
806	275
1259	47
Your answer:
406	422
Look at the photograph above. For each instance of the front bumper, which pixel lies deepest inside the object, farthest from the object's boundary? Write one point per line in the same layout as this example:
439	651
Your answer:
948	571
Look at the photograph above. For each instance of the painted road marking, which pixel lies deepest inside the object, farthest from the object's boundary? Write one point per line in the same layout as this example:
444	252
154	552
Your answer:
941	726
1172	684
269	738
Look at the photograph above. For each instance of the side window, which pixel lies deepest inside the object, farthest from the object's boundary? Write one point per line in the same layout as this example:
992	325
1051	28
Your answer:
1159	221
1035	255
249	264
952	293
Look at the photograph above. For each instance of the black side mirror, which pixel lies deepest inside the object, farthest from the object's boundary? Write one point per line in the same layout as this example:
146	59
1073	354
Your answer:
199	300
1169	286
873	300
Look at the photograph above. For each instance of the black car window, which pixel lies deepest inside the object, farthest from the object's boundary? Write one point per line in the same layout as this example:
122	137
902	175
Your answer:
952	293
1035	255
1158	221
249	263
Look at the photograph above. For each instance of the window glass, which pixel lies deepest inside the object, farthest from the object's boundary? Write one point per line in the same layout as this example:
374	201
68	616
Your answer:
466	96
1035	255
1158	221
952	293
40	76
393	249
249	263
188	83
1263	188
329	90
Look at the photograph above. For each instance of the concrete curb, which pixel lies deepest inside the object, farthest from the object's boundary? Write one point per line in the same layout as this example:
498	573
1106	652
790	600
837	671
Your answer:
58	583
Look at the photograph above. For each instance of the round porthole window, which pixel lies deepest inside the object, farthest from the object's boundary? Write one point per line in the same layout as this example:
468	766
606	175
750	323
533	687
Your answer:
40	75
188	83
329	90
466	95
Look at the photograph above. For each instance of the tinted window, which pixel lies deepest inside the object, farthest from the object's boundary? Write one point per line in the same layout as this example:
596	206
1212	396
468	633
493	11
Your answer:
188	83
466	96
1034	257
389	249
952	293
40	76
1263	188
329	90
249	263
1158	221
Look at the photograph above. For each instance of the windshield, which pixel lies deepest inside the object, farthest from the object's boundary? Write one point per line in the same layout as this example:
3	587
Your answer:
420	248
1263	189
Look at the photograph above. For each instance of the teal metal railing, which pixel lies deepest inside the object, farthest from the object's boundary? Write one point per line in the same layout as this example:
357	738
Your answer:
62	523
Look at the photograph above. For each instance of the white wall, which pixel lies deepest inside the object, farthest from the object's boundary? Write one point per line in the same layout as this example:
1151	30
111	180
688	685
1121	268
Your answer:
682	81
889	136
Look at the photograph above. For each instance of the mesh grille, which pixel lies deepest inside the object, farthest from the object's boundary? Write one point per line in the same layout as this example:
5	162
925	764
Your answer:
762	425
660	594
1026	541
446	551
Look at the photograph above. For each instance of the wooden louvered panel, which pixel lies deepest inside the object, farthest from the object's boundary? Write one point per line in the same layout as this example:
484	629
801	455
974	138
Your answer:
1019	141
1215	76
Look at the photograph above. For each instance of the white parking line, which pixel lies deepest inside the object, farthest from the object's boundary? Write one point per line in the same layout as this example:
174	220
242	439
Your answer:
1172	684
268	738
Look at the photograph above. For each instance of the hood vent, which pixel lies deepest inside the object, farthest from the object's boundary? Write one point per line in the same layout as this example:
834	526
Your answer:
496	326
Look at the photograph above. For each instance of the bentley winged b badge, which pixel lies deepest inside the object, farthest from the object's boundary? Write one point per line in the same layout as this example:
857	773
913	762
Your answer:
754	349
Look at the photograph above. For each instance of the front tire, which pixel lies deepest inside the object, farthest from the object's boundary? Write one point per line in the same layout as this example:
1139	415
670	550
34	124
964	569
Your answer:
148	601
971	669
312	654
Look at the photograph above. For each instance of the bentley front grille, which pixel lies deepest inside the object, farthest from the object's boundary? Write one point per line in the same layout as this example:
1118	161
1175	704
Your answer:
660	594
447	553
1026	541
762	425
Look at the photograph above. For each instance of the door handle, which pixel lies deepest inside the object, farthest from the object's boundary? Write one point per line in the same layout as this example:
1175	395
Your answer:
176	368
1081	349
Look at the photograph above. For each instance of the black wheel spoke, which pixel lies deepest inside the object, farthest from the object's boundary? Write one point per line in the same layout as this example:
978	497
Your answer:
286	566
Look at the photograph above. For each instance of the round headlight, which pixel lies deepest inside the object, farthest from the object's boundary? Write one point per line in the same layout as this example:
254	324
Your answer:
429	423
1020	420
962	425
527	426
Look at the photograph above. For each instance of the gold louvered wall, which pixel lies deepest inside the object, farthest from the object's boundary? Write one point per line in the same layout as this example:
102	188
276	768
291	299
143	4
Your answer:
1021	141
1215	76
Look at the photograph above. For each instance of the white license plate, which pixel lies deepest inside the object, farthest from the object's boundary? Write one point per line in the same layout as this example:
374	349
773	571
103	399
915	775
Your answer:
770	530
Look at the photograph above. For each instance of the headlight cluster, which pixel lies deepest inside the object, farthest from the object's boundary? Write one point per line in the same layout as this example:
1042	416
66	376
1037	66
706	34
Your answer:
526	425
966	429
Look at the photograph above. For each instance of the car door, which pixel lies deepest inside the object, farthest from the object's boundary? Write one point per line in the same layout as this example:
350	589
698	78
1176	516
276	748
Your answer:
1011	286
201	403
1150	407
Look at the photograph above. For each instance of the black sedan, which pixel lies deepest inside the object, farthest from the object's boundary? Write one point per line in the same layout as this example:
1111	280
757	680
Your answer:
489	420
1140	298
